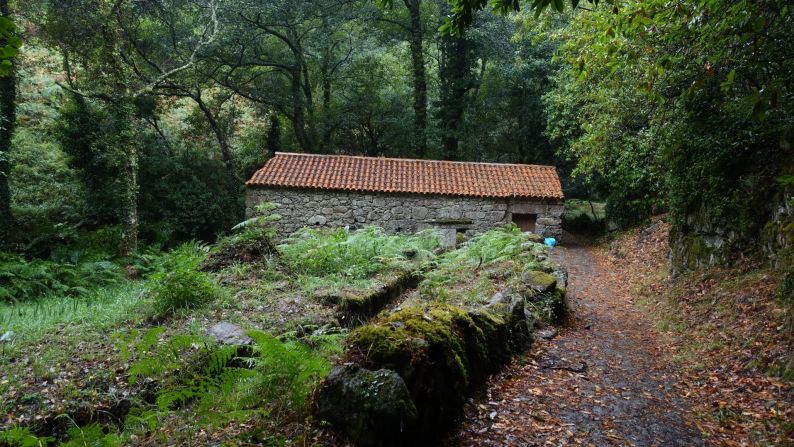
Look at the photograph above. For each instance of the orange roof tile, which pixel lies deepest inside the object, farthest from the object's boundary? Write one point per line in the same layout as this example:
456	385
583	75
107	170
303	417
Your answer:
402	175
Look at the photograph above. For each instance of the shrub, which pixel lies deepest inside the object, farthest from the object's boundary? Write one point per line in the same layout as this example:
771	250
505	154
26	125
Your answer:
274	376
23	280
252	240
181	285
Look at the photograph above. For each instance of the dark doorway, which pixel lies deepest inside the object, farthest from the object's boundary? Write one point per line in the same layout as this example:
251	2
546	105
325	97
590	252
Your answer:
526	222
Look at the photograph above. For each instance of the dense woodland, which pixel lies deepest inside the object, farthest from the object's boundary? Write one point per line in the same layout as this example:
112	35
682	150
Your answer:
128	129
136	123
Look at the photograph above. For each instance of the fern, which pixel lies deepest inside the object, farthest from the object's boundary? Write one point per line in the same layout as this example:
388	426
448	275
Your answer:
23	437
91	435
279	377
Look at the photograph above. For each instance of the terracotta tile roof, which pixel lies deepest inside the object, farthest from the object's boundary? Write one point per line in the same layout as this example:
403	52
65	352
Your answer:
398	175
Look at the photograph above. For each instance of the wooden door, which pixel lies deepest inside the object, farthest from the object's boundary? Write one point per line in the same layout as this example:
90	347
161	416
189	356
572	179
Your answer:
526	222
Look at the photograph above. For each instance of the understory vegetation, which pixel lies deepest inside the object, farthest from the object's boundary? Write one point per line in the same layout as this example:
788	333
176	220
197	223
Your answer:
137	350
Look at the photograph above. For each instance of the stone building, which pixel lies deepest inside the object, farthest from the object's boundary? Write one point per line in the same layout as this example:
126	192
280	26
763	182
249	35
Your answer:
406	195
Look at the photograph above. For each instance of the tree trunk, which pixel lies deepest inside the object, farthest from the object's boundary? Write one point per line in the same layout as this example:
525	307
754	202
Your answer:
455	71
220	135
298	111
420	80
125	142
8	93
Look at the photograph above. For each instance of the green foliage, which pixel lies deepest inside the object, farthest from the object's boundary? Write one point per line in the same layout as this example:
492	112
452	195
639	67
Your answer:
252	240
463	11
185	195
785	291
507	244
23	437
10	44
23	280
277	377
181	285
353	255
584	217
93	435
685	115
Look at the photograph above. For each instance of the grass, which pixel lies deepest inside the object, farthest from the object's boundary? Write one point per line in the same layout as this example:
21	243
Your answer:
341	254
101	308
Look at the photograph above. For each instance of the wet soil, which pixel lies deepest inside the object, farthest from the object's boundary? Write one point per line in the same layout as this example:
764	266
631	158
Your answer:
604	380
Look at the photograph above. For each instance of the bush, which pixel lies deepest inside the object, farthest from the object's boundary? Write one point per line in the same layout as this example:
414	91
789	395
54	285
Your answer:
23	280
252	241
181	285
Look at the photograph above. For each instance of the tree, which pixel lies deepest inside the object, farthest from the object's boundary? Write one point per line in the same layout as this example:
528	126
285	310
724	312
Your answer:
9	48
415	30
689	116
94	38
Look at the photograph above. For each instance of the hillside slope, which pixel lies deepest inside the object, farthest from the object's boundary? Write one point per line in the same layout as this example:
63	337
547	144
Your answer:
725	328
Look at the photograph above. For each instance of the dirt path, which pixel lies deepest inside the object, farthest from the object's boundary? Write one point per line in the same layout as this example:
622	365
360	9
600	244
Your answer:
603	381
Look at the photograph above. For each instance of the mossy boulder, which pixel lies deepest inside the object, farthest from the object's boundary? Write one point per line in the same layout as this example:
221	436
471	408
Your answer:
538	281
372	407
441	351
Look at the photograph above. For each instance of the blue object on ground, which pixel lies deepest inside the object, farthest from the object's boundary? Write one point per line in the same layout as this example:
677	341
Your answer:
550	241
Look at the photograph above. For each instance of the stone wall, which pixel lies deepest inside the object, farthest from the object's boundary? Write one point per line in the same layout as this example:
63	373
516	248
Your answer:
399	213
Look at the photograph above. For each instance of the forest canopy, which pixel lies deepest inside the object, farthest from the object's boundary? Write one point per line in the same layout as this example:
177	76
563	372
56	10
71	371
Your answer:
142	119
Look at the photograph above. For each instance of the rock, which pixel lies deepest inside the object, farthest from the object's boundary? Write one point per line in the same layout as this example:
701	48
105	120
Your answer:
327	296
539	281
536	238
448	237
317	220
496	299
229	334
371	407
547	333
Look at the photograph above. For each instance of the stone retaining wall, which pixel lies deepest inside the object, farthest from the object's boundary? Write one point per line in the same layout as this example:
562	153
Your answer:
400	213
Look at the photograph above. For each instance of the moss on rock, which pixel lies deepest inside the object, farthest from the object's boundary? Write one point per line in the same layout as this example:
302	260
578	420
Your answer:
539	281
441	351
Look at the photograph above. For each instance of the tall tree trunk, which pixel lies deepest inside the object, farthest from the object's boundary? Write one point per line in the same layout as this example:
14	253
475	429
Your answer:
8	93
298	111
419	75
455	71
125	142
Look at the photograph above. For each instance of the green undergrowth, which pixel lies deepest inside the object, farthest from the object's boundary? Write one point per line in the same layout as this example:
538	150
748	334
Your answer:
445	340
24	280
151	331
202	385
341	255
148	333
180	284
251	241
475	271
104	308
